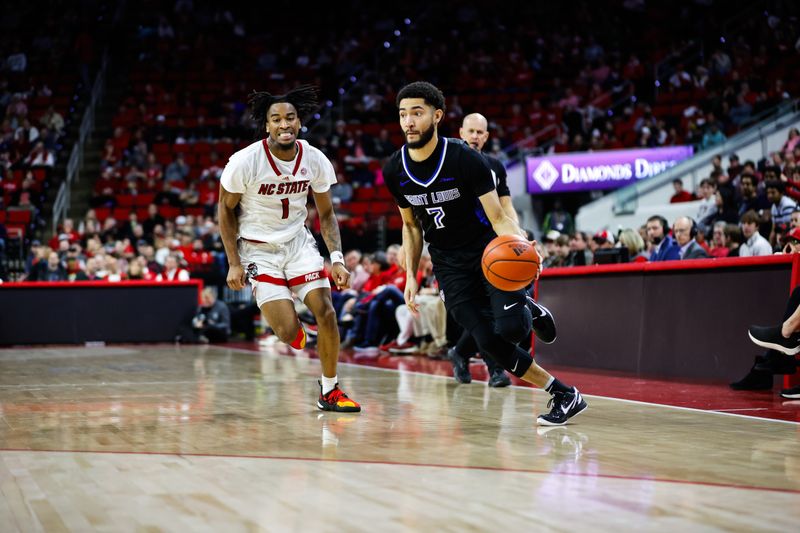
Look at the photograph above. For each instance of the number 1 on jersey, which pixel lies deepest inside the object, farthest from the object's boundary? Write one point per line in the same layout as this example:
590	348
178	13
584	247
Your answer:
285	204
438	215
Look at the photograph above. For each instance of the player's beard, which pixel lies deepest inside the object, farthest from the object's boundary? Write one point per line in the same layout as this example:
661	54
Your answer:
424	138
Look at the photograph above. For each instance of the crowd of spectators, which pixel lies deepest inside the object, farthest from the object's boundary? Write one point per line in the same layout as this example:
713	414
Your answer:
544	83
45	61
743	209
177	249
194	69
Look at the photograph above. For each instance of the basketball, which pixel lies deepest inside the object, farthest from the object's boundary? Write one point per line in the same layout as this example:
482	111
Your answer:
510	262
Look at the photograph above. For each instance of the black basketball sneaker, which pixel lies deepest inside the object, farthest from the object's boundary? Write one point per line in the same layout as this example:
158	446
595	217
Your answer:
564	405
498	378
460	366
772	338
544	325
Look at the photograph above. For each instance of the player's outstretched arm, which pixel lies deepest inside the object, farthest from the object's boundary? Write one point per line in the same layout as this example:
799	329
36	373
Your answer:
229	232
412	245
329	227
502	224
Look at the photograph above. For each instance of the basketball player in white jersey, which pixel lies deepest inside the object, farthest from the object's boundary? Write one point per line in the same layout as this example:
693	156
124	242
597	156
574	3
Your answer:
268	241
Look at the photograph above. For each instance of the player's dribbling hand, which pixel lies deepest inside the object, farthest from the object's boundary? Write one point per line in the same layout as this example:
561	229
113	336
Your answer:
410	295
341	276
236	277
536	249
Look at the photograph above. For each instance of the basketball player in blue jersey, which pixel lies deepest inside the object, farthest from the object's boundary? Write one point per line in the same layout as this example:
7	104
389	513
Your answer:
447	196
262	213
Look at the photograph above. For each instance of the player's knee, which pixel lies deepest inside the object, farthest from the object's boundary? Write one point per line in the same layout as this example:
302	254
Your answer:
326	316
491	343
509	356
514	329
285	332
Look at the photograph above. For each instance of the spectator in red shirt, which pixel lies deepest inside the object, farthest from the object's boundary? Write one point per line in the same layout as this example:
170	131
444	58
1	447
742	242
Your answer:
719	245
380	305
173	270
378	266
198	259
680	195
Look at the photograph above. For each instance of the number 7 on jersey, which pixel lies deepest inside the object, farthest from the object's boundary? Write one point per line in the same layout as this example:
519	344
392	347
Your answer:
438	215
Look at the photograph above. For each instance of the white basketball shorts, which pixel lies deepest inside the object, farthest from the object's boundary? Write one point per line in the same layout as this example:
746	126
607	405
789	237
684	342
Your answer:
275	270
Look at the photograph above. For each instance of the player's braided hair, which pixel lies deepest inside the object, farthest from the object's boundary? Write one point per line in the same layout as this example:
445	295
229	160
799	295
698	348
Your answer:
422	89
303	98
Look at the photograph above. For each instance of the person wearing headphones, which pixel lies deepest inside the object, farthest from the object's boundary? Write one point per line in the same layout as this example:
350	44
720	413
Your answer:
664	247
685	230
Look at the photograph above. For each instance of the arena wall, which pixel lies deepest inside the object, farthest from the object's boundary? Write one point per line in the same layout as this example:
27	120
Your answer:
677	319
79	312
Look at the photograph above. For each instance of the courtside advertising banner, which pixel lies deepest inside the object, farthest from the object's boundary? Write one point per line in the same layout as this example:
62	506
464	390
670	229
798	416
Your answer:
600	170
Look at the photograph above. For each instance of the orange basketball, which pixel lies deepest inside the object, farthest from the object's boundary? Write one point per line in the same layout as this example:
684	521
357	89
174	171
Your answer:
510	262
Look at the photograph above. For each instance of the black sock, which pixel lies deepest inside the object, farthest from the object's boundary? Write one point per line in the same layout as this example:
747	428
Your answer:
557	386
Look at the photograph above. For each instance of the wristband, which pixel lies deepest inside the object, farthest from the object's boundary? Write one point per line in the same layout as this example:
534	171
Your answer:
337	257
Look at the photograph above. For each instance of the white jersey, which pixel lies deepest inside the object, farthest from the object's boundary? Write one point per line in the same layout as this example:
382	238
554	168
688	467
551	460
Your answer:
275	192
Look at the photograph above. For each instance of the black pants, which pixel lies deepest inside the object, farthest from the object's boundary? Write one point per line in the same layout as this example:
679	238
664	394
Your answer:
792	304
496	319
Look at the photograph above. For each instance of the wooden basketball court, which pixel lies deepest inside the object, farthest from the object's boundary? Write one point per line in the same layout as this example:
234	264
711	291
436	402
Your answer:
161	437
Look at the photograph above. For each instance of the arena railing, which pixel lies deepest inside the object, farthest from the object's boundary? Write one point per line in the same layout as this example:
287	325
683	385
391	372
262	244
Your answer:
62	202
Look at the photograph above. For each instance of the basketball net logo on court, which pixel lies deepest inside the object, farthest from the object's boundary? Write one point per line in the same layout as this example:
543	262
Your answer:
545	174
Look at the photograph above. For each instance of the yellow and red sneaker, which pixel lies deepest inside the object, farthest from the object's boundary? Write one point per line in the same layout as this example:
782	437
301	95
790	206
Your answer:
336	400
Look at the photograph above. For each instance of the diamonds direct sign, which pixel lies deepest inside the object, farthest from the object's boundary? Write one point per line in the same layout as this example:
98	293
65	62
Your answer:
600	170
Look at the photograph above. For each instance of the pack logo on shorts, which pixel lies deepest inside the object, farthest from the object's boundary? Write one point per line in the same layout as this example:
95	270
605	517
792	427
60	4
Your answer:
252	270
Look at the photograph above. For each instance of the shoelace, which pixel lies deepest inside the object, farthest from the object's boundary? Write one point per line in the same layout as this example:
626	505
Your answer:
555	399
335	395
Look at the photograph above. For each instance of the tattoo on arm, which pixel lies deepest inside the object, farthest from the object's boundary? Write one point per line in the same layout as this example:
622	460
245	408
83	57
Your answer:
229	225
329	228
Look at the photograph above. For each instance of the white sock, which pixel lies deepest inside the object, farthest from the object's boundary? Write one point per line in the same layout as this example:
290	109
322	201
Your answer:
328	384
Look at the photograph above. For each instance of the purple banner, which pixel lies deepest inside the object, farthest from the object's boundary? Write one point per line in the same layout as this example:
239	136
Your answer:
600	170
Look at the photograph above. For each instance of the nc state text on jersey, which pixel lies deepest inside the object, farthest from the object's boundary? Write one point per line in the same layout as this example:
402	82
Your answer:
292	187
435	197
